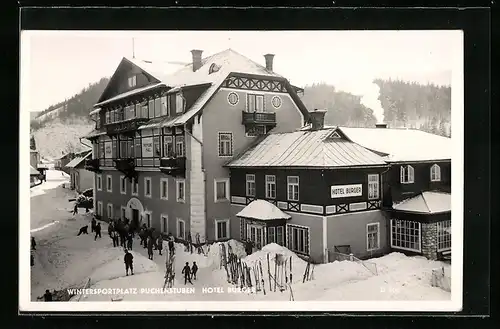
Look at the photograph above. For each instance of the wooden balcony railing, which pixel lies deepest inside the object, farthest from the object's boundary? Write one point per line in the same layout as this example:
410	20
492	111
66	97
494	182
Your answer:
259	118
173	166
125	126
92	165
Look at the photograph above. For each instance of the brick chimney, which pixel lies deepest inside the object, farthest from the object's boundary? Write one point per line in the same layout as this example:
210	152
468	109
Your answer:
196	59
317	119
269	61
381	125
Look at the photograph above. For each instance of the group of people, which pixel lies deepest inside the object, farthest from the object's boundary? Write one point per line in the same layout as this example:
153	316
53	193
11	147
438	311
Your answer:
153	240
121	233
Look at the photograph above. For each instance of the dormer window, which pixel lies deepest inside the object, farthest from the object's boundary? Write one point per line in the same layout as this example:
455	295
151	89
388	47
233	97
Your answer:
435	173
213	68
407	174
132	81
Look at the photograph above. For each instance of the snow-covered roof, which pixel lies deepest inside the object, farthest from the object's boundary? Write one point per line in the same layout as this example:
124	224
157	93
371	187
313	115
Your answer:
129	93
76	161
262	210
401	144
33	171
426	203
96	111
95	133
306	149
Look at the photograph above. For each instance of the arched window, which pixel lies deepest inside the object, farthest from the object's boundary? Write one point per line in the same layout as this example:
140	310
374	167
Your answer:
213	68
407	174
435	173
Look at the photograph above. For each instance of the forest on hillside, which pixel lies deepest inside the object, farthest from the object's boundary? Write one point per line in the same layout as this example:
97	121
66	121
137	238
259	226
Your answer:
405	104
76	107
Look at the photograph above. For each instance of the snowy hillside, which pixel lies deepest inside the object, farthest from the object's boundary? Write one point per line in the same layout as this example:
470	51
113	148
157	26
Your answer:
56	137
50	115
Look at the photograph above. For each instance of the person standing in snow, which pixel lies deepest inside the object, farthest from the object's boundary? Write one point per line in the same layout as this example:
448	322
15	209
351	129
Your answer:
171	246
159	243
33	243
150	247
194	269
47	296
97	231
130	239
75	209
129	262
187	273
114	237
93	225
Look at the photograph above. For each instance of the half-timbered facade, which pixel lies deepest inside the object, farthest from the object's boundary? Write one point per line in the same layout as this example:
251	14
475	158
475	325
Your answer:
163	135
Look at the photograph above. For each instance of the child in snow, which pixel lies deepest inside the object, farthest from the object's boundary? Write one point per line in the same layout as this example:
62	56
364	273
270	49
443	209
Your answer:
129	262
187	273
150	245
194	269
159	243
83	230
75	209
97	231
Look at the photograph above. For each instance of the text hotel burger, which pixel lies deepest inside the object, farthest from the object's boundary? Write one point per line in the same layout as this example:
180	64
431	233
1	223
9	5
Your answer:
156	291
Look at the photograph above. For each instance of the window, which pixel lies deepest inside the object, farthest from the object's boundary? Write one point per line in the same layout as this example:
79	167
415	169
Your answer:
181	229
164	223
221	190
99	208
164	106
225	144
250	185
180	185
109	212
179	103
148	215
405	235
270	186
255	130
407	174
221	229
298	239
156	146
372	236
164	188
144	110
168	147
255	103
123	213
99	182
123	185
108	117
293	188
435	173
179	146
135	187
109	183
373	187
213	68
132	81
151	108
147	187
279	236
158	107
271	235
444	235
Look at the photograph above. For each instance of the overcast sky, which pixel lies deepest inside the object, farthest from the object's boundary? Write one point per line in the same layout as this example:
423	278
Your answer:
57	64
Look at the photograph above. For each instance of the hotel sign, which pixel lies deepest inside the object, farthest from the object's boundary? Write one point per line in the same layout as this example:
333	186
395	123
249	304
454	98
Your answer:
147	147
346	191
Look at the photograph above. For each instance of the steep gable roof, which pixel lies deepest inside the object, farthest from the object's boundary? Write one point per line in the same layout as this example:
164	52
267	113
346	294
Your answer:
306	149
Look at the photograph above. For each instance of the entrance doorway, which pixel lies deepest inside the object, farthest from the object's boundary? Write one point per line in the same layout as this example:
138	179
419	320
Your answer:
135	217
255	233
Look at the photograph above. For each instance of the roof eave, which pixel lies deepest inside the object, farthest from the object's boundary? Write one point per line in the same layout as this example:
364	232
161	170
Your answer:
306	167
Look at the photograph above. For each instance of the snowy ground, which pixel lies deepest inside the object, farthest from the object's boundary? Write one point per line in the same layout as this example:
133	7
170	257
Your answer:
64	260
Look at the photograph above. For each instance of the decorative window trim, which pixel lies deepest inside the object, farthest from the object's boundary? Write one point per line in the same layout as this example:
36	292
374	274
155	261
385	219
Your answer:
109	183
217	221
268	196
229	97
99	182
276	97
123	185
146	194
231	145
179	220
163	197
132	187
99	208
435	173
122	215
289	243
367	236
410	173
177	183
250	178
256	95
227	192
374	196
150	213
288	184
109	211
163	229
419	250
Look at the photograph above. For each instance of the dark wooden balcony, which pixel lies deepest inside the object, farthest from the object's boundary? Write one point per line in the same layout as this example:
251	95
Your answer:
173	166
121	127
92	165
261	118
127	167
